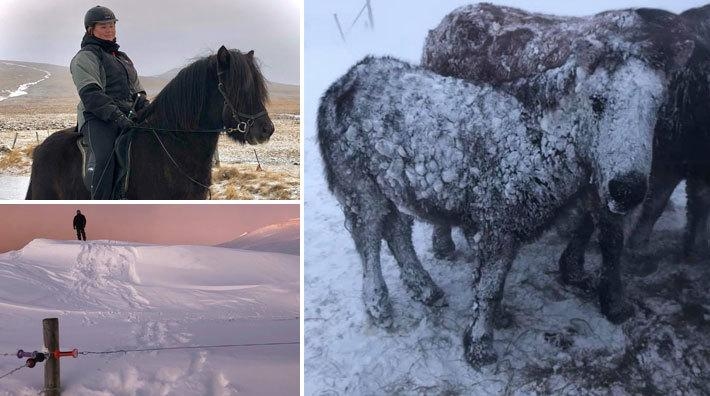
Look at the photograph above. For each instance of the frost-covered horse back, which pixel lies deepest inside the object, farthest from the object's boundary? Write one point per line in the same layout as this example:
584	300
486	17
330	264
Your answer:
497	44
397	139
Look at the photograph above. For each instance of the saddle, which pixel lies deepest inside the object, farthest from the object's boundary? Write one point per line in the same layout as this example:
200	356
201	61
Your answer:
122	153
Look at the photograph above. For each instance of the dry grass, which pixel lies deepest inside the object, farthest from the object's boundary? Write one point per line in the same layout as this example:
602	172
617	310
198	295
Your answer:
246	183
17	160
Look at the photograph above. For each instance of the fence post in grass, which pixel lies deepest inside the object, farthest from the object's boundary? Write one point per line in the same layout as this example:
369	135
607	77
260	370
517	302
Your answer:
50	330
216	157
37	136
14	140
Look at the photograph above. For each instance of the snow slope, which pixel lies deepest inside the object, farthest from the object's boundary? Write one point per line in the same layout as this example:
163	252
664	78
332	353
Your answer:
278	238
557	341
22	89
111	295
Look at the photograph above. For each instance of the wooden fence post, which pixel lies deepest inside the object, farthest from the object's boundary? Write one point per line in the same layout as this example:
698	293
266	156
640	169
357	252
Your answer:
215	158
14	140
50	330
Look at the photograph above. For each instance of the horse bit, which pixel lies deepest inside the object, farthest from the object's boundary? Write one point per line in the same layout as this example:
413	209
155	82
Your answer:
242	126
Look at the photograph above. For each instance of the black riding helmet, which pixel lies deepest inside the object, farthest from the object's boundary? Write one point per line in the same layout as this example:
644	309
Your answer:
98	14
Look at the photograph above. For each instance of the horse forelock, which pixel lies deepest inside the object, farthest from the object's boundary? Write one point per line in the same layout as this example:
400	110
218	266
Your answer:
245	83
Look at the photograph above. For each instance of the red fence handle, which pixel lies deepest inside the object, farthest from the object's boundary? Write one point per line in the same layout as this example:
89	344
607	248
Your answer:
73	353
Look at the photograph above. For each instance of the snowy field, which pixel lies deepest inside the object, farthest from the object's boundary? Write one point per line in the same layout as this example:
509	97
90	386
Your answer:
555	342
111	295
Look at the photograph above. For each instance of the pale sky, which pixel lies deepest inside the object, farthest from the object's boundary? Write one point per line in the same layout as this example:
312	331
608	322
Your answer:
158	35
170	224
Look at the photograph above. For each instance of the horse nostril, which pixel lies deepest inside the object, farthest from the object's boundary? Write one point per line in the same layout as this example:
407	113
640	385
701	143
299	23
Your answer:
628	190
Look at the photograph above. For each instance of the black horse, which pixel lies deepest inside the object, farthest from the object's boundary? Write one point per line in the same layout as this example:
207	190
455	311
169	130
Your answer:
174	160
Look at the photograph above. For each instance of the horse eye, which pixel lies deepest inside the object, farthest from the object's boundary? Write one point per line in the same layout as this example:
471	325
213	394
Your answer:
598	104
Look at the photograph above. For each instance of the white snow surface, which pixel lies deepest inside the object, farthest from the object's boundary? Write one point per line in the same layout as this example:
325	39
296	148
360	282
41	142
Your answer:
112	295
13	187
282	237
558	343
22	89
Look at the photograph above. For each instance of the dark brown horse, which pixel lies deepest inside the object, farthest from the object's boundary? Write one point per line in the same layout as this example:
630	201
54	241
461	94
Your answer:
173	161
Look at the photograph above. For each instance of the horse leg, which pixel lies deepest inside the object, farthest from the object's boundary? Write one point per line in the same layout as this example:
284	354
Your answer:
491	274
442	243
365	211
398	234
611	290
571	262
698	208
661	187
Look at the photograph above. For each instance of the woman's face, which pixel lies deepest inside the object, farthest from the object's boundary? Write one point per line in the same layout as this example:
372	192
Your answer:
105	30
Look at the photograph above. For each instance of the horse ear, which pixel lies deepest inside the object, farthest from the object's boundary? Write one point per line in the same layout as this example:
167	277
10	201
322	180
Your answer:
223	56
250	54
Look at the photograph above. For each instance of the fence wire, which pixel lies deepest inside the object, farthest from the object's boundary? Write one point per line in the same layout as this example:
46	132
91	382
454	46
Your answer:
187	347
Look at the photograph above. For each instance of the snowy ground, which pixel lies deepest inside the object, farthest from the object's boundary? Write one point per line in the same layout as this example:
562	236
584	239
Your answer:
112	295
558	341
13	187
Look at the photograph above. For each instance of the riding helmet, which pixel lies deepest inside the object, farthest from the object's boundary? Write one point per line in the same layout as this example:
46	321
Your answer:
98	14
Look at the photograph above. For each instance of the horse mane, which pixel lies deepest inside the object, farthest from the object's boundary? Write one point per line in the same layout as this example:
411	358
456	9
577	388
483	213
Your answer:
182	101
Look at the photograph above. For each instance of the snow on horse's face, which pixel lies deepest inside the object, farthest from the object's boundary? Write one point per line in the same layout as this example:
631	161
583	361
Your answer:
620	106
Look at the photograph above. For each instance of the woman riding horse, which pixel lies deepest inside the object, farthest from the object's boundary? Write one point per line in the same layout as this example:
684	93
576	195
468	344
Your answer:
108	87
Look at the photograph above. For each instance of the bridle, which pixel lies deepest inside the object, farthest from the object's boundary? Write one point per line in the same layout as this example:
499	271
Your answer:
242	126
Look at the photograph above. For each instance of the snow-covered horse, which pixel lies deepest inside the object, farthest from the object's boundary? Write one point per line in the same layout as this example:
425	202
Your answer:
683	142
399	141
514	50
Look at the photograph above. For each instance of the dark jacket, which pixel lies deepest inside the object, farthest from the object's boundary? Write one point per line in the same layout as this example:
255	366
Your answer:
106	80
79	221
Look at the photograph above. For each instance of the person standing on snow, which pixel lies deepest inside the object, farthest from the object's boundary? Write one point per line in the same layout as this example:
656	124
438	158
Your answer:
108	87
79	224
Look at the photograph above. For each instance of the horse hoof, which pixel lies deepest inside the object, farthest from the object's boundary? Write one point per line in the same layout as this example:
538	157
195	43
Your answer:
444	253
696	253
618	313
480	352
381	316
503	320
640	264
582	281
436	298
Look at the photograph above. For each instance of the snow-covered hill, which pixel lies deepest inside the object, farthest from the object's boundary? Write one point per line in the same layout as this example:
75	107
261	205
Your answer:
112	295
279	238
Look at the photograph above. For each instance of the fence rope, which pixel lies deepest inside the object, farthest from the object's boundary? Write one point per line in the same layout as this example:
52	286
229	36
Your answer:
186	347
11	372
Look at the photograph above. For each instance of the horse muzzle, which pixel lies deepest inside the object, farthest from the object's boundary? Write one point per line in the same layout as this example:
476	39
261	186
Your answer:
627	191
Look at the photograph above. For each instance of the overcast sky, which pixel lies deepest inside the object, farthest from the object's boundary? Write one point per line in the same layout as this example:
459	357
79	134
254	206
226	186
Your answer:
158	35
190	224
